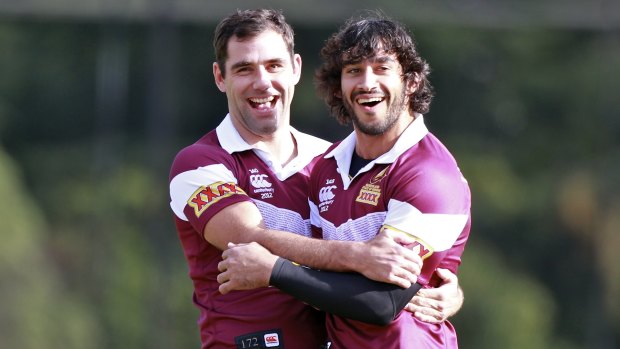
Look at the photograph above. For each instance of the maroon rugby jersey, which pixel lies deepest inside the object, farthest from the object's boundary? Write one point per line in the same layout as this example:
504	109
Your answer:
221	169
415	188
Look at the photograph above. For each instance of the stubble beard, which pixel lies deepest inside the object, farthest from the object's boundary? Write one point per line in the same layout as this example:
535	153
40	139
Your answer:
392	115
263	127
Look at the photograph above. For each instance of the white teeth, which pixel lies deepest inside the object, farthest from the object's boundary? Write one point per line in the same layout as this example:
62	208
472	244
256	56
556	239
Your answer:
369	100
262	100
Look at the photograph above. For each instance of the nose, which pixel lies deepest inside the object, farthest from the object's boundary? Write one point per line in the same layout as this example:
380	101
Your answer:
368	79
263	79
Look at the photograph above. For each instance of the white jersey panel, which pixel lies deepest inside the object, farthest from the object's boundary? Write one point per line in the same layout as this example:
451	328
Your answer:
440	231
277	218
361	229
185	184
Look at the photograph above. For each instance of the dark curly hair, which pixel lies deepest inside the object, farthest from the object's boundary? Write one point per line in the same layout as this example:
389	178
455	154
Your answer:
248	24
361	38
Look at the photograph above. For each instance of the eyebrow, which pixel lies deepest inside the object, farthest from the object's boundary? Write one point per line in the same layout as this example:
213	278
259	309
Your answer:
247	63
373	59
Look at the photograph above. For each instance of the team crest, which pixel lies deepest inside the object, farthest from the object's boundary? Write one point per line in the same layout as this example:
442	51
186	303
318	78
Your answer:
379	176
206	196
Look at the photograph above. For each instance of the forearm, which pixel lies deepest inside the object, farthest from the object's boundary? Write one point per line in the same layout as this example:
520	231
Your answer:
320	254
349	295
243	223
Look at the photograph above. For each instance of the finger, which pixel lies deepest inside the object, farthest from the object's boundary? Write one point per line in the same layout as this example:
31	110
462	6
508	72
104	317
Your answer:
223	277
406	274
222	266
413	261
401	238
426	318
224	289
447	276
430	293
400	281
427	304
411	308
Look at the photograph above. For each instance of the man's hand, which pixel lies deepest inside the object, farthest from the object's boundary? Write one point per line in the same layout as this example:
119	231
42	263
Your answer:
245	267
386	258
435	305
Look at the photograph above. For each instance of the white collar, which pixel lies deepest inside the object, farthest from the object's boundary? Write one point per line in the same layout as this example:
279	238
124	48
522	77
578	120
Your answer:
343	152
308	147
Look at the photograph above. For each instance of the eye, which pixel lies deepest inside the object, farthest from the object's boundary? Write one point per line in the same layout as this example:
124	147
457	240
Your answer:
243	70
275	67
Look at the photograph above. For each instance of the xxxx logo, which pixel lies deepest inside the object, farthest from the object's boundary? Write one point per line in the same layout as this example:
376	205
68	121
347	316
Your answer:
420	248
369	194
206	196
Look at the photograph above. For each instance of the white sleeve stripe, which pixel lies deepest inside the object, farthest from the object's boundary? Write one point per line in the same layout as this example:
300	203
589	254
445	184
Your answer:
315	217
440	231
186	183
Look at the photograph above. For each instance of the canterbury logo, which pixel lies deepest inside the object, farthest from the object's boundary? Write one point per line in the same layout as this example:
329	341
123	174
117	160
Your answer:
260	181
325	194
272	340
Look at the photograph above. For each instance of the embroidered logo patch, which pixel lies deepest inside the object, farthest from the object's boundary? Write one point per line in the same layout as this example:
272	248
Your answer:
369	194
379	176
272	340
260	185
206	196
326	196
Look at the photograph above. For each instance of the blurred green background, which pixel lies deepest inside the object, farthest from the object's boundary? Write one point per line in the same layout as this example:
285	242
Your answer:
96	97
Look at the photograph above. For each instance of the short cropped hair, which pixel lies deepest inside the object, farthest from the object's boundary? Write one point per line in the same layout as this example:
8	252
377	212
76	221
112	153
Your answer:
246	24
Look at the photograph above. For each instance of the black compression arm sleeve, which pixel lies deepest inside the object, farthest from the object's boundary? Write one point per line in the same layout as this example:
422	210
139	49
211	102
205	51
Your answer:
349	295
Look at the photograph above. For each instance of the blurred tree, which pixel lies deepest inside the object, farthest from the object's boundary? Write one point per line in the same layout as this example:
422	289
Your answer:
38	309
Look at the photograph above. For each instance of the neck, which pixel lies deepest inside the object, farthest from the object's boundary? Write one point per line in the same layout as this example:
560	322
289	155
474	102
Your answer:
280	143
373	146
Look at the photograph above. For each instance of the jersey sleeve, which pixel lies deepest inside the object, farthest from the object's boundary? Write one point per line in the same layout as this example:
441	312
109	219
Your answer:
203	181
433	206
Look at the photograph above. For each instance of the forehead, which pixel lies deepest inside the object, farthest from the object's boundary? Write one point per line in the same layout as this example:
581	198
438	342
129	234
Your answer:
380	56
268	45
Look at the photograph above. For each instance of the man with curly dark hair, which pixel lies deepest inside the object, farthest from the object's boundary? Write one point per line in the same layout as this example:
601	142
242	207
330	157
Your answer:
390	173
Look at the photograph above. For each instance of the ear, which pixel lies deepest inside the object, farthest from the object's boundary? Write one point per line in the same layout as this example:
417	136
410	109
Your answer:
296	68
219	78
413	84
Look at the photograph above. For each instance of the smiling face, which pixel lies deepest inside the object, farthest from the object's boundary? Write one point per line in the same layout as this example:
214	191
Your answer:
260	78
374	93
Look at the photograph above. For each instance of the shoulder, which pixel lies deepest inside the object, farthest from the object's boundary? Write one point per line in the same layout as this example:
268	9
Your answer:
428	171
206	151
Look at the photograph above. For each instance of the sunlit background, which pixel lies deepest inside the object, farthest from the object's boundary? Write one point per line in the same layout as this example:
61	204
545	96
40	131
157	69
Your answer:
96	97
